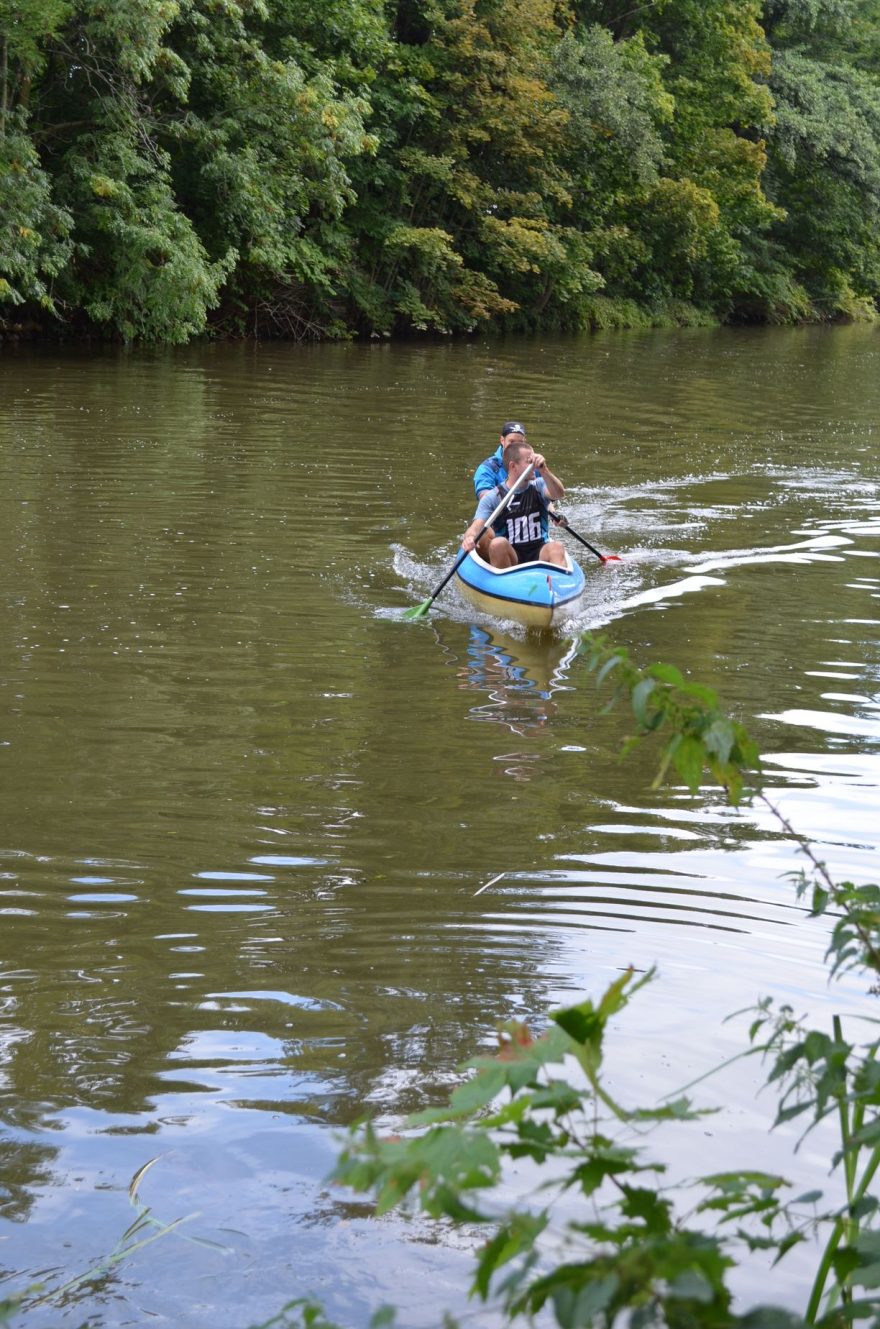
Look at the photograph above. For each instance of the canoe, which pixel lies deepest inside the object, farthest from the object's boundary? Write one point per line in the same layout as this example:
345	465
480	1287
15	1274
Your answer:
534	594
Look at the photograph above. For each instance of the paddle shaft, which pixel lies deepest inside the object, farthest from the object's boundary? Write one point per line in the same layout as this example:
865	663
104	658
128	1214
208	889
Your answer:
488	522
563	521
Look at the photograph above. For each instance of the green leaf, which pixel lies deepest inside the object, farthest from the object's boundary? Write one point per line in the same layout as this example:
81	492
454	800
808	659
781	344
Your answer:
607	667
666	673
737	1182
719	739
820	901
692	1286
477	1092
771	1317
582	1023
866	1275
705	696
844	1261
688	759
535	1139
514	1237
648	1206
787	1243
560	1096
594	1298
679	1109
604	1160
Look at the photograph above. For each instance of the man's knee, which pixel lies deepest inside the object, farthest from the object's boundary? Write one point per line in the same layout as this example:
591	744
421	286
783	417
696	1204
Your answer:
501	553
554	552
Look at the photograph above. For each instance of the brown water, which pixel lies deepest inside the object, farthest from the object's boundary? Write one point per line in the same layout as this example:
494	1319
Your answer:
246	810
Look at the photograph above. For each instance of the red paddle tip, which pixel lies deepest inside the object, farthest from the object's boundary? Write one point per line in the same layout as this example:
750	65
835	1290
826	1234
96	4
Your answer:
611	558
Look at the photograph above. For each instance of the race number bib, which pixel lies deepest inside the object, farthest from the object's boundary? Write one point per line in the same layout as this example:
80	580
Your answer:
524	530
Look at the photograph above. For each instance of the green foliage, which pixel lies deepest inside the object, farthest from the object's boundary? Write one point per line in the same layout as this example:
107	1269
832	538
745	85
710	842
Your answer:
303	1313
192	159
604	1239
624	1253
9	1305
608	312
260	157
616	102
142	270
34	233
820	1075
287	168
612	151
826	146
469	133
700	736
26	26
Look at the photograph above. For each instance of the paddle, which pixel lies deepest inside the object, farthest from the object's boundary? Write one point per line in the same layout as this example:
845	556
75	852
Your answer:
603	558
421	610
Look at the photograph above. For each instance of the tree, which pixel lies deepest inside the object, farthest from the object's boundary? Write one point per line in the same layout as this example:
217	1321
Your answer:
34	231
262	156
618	111
456	226
824	168
189	154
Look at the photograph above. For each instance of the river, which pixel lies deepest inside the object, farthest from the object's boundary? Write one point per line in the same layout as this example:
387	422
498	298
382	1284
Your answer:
246	810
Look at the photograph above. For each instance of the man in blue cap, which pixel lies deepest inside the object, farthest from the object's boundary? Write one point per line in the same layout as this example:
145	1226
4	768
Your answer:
493	472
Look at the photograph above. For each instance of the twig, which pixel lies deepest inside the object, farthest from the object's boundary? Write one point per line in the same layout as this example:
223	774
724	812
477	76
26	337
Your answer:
489	883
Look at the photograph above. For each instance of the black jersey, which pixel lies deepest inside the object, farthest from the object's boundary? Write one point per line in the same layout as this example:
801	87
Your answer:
523	521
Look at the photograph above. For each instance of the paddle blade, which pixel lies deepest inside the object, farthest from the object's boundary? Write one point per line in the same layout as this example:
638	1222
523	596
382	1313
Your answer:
419	611
611	558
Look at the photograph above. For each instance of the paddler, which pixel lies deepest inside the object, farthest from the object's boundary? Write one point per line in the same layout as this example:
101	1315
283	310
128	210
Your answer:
492	472
521	532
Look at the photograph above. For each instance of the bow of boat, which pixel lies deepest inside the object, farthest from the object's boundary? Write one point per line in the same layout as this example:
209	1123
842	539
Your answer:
536	594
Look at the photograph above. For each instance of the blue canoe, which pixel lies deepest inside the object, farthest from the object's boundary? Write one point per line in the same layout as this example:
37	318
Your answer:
535	594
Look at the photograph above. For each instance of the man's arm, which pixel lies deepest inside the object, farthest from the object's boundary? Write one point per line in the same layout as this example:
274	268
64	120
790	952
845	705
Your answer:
485	508
555	487
487	476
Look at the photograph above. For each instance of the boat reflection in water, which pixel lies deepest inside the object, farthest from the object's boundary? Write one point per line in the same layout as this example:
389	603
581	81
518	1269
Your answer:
518	678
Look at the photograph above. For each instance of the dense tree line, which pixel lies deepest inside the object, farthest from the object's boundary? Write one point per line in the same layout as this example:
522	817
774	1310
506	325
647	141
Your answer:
296	167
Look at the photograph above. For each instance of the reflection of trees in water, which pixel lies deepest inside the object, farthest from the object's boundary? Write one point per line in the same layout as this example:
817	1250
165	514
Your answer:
388	969
24	1166
384	981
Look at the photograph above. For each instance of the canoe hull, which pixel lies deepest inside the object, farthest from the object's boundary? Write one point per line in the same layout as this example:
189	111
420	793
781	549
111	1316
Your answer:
538	595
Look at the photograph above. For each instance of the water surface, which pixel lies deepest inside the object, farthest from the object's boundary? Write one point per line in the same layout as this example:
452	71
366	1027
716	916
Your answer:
245	810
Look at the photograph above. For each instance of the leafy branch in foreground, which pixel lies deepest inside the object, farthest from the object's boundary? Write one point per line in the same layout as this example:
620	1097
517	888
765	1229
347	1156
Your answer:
603	1239
817	1075
599	1238
700	735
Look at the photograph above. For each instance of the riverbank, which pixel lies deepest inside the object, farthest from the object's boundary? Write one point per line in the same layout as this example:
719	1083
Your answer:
600	314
